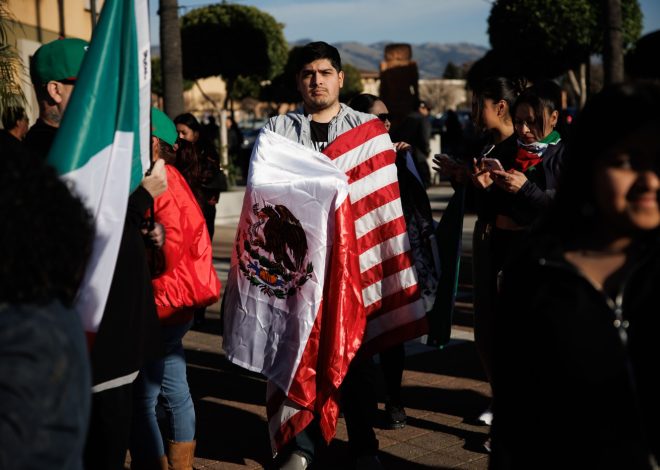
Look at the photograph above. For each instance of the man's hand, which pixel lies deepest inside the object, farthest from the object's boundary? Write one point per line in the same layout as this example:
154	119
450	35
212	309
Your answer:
510	181
156	181
450	168
157	235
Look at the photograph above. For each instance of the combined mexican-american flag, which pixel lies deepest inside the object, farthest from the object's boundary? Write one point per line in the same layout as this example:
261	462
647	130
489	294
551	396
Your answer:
102	146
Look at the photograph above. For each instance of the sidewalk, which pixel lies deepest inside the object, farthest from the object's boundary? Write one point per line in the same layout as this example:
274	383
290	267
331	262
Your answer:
444	390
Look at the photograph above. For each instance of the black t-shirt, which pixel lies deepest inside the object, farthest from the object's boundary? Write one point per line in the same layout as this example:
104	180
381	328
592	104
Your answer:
39	139
319	134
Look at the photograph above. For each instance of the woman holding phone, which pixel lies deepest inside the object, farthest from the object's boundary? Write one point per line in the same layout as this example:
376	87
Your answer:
492	102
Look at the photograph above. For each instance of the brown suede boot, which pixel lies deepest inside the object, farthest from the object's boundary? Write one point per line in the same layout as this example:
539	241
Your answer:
160	464
180	455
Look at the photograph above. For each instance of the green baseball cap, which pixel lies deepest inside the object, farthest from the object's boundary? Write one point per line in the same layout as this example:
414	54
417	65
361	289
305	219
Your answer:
163	127
58	60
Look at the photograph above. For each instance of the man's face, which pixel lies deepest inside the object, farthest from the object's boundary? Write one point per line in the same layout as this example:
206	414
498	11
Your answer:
319	84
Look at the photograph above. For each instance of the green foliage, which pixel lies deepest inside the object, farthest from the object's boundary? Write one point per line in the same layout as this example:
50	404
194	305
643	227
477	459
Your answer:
231	40
452	71
245	87
352	83
544	38
282	88
157	78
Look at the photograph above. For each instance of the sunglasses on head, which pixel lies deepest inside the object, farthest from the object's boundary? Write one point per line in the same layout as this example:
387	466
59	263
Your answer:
383	116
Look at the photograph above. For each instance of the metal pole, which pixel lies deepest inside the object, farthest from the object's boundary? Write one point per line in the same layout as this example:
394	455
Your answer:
92	6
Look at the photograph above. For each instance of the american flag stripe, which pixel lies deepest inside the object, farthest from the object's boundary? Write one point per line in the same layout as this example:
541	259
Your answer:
369	166
382	233
384	195
379	216
389	281
388	249
285	417
393	301
388	286
359	151
389	266
372	182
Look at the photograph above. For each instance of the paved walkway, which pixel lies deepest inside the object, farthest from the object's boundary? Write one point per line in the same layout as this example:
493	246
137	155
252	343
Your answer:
444	390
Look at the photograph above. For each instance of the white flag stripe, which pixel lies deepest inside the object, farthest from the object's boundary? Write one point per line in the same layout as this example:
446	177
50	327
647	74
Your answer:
377	217
372	183
106	179
144	80
384	251
393	319
390	285
364	152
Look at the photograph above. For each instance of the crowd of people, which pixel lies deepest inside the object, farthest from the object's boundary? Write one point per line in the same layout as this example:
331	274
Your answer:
565	254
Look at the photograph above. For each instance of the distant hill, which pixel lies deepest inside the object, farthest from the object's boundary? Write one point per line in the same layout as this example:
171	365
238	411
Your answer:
431	58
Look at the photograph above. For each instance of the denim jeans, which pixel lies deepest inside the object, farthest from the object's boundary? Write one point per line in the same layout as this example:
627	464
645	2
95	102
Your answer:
163	384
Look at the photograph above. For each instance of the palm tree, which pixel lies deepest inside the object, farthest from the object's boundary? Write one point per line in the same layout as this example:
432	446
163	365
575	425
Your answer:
11	94
170	55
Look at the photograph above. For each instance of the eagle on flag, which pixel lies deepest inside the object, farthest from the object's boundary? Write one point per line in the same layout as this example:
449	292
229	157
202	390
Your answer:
355	284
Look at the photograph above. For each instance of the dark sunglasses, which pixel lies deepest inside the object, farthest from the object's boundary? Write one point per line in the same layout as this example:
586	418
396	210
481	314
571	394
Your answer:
383	116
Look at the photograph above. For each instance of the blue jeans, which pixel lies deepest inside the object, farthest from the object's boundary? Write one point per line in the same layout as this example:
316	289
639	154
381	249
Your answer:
163	384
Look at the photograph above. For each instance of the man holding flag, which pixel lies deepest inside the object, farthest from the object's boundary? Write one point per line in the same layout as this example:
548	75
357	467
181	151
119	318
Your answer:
300	338
101	147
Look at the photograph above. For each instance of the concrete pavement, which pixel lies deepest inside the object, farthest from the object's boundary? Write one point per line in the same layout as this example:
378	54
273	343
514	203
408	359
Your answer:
443	390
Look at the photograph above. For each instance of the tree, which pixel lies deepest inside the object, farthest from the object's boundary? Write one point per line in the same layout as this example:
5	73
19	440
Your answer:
232	40
11	65
452	71
170	50
544	39
157	78
352	83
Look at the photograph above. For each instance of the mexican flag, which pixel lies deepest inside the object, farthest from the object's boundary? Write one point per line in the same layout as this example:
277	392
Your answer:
293	302
102	146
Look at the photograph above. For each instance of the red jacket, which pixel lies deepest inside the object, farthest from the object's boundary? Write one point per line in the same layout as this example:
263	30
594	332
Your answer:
189	280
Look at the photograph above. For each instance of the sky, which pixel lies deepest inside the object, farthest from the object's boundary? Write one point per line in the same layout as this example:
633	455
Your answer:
371	21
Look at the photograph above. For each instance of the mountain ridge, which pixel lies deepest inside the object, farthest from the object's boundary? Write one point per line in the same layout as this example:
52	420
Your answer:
431	57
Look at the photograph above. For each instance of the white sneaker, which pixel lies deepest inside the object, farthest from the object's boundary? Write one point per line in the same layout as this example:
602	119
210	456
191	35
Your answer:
486	417
295	462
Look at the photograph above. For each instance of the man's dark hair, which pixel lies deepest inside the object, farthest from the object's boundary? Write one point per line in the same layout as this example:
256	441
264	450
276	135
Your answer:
167	152
11	116
317	51
46	237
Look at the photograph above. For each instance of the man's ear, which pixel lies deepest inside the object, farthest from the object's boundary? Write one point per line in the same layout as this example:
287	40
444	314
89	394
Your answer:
155	148
54	90
341	79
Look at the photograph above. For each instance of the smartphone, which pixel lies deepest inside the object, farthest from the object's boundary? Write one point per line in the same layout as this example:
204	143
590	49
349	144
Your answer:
489	164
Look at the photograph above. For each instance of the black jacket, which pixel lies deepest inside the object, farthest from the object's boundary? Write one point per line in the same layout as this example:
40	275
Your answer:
568	392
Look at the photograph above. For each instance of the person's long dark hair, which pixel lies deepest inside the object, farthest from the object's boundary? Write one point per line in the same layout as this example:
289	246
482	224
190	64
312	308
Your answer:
189	165
496	89
608	117
190	121
543	95
363	102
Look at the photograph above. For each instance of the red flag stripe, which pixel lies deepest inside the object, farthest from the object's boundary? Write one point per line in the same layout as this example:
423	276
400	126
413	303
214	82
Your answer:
399	300
367	167
349	141
289	429
393	302
387	339
386	268
381	197
377	217
389	286
388	249
372	182
381	234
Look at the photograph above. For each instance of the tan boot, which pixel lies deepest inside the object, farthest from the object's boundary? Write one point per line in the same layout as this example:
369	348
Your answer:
180	455
160	464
